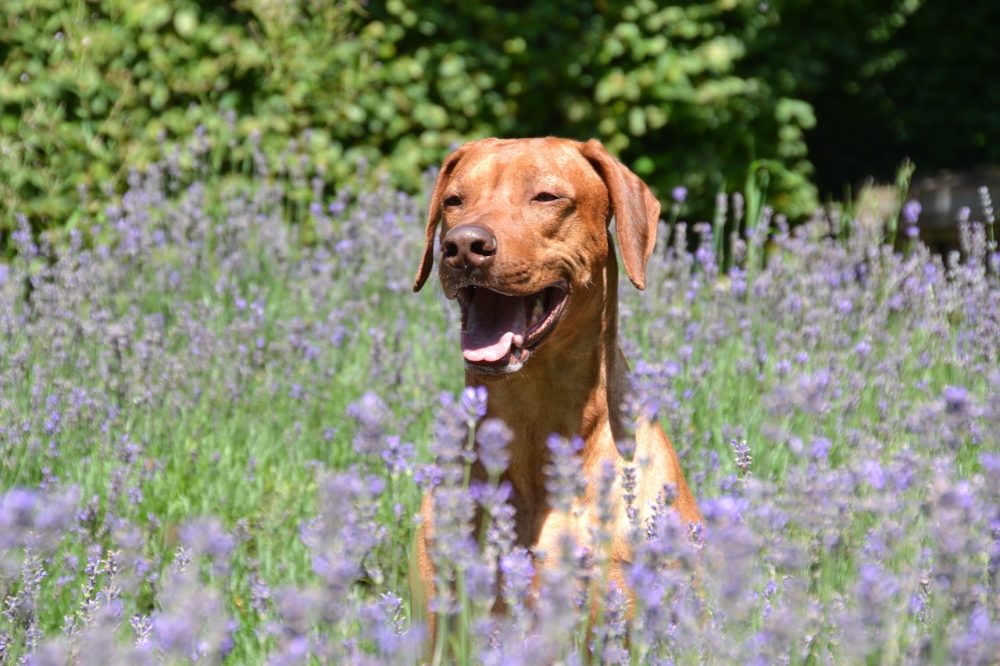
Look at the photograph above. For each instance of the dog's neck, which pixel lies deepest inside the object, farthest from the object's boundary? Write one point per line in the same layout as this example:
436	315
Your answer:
587	378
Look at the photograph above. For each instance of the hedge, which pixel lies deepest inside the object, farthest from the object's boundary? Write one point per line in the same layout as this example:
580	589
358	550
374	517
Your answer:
688	94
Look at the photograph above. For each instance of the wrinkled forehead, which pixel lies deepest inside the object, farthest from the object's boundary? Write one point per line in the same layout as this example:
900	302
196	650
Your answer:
516	164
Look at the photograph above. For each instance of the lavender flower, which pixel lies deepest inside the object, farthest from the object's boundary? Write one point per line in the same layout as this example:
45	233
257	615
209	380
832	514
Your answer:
207	537
371	415
474	402
911	211
398	455
564	478
189	353
743	457
493	436
956	399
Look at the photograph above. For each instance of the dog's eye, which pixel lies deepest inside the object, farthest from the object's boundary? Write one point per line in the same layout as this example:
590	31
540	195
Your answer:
452	201
546	196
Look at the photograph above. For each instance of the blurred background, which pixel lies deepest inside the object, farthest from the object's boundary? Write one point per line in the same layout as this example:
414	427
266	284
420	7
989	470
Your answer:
808	98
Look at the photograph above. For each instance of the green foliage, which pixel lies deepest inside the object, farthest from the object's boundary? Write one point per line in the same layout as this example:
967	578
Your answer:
90	89
675	77
666	87
687	94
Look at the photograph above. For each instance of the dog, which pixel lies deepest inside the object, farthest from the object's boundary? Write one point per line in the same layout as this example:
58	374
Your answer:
526	250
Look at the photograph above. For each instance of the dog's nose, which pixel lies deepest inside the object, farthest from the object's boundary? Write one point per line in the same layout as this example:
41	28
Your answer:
469	246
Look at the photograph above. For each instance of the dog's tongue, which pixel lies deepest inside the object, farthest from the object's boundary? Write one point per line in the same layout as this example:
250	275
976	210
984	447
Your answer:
493	325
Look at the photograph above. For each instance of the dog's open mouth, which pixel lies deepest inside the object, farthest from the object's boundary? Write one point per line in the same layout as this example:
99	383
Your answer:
499	331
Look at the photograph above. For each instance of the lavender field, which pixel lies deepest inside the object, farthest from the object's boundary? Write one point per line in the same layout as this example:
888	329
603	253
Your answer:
216	427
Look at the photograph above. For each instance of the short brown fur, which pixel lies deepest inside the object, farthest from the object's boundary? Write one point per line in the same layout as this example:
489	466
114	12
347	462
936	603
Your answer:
574	382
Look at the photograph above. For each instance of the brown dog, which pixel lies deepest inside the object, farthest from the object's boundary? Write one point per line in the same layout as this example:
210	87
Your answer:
526	250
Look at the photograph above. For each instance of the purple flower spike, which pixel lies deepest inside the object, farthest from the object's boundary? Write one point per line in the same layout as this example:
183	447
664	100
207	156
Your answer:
371	415
956	399
911	211
743	456
17	508
474	402
493	437
564	477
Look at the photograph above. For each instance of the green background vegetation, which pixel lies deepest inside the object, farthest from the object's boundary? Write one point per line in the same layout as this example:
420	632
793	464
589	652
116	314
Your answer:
818	94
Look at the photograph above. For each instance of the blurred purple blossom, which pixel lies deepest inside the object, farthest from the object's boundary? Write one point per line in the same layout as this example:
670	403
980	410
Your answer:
398	455
956	399
372	416
911	211
207	537
564	478
493	436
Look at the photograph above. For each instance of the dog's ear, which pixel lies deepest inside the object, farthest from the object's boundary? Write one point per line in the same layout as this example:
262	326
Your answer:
434	215
636	210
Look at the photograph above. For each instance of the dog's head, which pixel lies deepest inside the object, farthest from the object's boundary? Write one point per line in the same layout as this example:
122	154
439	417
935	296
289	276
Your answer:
523	225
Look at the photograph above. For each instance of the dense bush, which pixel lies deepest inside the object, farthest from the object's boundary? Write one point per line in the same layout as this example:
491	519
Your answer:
688	94
663	86
89	90
92	90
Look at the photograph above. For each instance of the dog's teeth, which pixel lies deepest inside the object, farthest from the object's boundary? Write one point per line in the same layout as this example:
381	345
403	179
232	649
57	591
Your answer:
536	312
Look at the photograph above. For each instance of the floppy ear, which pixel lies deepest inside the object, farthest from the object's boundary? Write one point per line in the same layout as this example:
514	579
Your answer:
636	210
434	215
